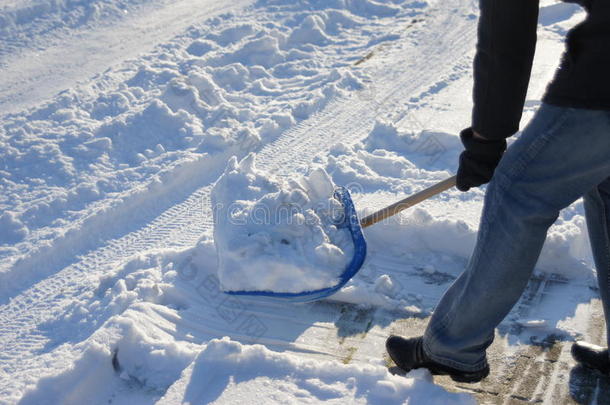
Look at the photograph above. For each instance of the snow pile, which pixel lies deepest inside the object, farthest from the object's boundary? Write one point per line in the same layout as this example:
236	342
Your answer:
12	230
151	370
390	160
142	279
150	354
137	349
394	161
428	149
419	229
277	236
95	381
263	376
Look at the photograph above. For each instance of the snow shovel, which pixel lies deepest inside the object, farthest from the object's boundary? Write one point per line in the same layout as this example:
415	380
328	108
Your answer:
354	225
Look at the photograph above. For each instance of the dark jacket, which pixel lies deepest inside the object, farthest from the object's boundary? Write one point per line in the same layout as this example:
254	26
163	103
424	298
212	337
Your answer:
503	62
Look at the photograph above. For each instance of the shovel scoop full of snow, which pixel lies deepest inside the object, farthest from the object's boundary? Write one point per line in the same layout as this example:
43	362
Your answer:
294	240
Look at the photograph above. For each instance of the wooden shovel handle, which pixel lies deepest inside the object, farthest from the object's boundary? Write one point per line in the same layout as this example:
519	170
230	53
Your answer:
407	202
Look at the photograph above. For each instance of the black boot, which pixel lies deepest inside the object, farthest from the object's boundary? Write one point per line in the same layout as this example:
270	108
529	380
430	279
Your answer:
408	354
591	356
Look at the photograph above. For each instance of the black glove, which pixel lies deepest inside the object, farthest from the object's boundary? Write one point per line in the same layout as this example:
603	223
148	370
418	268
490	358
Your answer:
478	161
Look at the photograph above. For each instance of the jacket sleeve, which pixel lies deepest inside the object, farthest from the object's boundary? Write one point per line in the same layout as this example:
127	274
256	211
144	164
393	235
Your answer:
503	64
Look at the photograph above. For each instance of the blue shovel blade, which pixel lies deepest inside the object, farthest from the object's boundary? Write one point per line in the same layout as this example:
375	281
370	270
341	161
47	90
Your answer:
349	221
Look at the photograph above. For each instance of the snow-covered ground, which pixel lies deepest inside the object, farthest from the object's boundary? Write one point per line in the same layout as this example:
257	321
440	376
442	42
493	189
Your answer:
117	119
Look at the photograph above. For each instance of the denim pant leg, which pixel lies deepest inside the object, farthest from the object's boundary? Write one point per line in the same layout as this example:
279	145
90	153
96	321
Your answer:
597	210
560	156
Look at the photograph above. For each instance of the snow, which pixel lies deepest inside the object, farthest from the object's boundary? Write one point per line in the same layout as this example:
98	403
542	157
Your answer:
135	133
282	378
380	163
242	372
274	236
86	151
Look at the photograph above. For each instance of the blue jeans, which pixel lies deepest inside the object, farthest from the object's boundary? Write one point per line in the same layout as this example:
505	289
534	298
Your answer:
562	155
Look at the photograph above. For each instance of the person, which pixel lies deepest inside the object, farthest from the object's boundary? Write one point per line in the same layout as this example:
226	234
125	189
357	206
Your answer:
563	154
